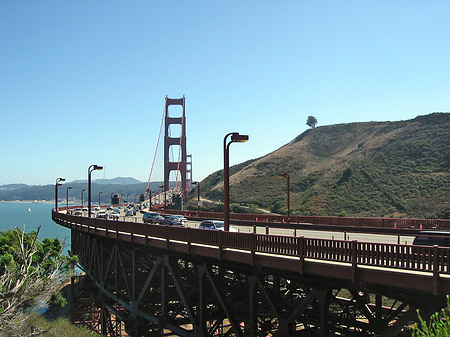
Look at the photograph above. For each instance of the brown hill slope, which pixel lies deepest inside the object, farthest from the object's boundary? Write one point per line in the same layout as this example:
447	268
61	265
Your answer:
358	169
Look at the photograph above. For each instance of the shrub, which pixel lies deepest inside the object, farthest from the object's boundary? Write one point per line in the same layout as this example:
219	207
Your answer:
439	325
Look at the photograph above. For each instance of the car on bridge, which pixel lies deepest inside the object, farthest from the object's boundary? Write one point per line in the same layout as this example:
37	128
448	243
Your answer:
432	238
114	216
102	215
175	220
216	225
152	217
130	212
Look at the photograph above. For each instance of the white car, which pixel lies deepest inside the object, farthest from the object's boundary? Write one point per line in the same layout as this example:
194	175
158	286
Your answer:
114	216
102	215
216	225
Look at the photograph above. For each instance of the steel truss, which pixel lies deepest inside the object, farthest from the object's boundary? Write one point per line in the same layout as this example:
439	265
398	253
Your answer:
147	292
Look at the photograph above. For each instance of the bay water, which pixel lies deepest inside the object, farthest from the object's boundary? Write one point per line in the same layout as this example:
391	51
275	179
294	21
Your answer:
31	215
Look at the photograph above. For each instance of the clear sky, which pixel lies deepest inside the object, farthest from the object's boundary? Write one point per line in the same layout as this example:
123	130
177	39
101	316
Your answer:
84	82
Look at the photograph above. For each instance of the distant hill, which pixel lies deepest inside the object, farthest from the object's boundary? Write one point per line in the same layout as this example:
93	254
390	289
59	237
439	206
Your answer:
12	186
390	169
22	192
118	181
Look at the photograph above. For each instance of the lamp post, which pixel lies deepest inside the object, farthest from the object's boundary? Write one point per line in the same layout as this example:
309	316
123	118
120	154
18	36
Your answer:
162	190
90	169
235	138
58	180
82	200
198	196
121	198
99	194
150	200
67	199
112	193
288	203
128	195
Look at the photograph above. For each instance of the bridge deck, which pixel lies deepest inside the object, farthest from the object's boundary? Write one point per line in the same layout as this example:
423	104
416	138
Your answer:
411	269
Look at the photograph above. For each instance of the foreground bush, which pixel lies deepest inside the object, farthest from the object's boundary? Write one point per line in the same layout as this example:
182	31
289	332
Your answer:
31	273
439	325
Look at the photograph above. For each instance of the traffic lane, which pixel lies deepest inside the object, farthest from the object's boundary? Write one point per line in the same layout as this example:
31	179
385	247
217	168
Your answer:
327	235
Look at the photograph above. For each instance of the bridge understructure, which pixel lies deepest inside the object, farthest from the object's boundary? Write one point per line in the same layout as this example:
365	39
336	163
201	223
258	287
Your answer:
160	282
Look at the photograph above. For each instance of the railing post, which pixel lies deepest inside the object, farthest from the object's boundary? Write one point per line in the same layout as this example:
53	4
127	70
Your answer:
301	253
188	240
267	230
131	232
254	229
435	270
254	246
167	237
354	259
219	234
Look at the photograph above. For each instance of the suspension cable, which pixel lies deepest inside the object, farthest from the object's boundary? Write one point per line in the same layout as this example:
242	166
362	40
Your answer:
154	157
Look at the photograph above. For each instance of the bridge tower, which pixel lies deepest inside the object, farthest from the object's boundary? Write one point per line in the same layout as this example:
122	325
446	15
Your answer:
178	140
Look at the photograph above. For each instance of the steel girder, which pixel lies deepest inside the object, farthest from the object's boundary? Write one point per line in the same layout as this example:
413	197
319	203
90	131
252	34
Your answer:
153	292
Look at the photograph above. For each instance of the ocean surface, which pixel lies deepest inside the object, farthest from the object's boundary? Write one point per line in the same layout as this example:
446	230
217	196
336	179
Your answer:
31	215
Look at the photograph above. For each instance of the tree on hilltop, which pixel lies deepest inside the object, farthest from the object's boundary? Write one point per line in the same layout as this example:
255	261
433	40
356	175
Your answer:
311	121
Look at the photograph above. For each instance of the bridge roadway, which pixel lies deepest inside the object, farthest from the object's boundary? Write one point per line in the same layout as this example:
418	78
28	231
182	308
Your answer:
349	234
418	277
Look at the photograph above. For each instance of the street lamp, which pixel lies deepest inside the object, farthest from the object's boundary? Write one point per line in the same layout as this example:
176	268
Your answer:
286	175
235	138
99	194
128	195
58	180
121	198
67	199
90	169
82	192
150	200
198	196
112	193
162	190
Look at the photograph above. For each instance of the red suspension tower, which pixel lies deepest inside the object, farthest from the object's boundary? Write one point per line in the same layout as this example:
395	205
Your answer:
181	164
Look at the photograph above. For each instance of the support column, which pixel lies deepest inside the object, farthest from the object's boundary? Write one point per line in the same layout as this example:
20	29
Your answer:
180	140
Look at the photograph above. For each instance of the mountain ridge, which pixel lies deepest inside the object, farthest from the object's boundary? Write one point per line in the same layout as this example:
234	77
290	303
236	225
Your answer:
392	169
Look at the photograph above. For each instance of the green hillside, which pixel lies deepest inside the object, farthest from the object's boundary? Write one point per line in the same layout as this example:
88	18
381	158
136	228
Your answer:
390	169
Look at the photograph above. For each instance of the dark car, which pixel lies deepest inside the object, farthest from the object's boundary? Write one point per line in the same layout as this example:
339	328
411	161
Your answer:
432	238
175	220
152	217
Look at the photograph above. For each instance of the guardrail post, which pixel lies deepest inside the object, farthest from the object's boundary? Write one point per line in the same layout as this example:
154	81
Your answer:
188	240
253	247
167	238
131	232
354	259
146	234
435	270
301	253
219	234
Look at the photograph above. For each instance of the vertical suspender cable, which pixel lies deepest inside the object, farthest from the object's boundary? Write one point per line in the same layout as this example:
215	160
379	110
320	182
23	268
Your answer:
154	157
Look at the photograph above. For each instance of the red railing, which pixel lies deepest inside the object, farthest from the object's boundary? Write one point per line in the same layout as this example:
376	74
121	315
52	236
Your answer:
415	258
324	220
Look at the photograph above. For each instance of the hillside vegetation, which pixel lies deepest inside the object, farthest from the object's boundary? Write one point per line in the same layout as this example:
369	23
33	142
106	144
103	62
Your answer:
389	169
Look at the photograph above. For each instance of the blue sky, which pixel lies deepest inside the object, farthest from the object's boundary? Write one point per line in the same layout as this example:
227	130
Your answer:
84	82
